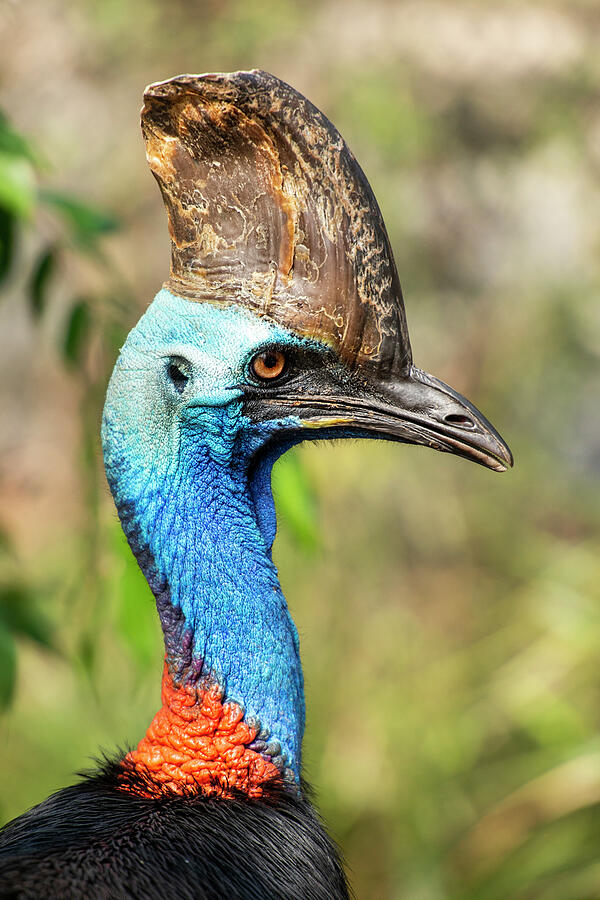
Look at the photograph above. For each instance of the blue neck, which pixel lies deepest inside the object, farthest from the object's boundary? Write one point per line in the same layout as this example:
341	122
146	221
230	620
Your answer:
208	527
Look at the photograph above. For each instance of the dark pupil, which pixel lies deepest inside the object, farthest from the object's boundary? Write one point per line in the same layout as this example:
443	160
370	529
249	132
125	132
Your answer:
270	360
178	378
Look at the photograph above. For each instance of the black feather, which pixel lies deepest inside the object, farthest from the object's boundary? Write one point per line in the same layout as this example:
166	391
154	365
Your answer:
99	840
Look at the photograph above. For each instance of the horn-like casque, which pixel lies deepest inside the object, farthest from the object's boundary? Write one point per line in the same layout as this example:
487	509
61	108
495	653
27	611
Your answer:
269	209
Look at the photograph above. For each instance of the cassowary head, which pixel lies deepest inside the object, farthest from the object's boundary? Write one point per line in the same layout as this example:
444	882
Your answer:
283	315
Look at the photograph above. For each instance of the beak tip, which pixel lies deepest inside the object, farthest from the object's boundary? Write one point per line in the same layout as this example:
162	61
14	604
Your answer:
505	459
502	463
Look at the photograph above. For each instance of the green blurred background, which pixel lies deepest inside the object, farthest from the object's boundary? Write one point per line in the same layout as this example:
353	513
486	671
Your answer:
449	618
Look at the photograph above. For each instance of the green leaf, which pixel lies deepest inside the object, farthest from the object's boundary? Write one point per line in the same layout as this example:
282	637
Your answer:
76	332
8	666
88	653
13	143
19	615
7	242
40	279
86	223
296	502
17	185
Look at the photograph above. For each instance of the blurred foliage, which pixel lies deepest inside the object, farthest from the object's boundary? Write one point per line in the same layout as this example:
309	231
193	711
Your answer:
76	228
449	619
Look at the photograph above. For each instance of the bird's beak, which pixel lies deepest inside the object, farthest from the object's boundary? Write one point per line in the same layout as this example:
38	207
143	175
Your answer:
415	408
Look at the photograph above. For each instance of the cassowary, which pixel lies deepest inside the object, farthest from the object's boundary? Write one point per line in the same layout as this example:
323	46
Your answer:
282	319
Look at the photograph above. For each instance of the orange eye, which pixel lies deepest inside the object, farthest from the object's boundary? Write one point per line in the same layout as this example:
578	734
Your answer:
268	365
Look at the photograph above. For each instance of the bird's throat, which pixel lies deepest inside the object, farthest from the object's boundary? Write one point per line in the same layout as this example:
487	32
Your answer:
232	713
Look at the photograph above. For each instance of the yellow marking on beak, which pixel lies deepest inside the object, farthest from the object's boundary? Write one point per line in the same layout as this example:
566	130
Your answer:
325	422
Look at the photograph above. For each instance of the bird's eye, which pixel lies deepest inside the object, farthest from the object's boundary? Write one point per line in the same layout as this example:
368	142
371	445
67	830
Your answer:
177	375
268	365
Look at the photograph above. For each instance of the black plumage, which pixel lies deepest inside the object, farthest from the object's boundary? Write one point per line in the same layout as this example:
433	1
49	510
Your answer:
97	841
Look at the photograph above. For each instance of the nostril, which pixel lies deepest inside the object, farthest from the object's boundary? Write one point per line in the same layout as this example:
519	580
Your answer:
459	421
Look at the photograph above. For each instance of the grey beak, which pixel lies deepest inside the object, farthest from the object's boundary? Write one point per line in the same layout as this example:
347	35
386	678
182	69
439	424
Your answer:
414	408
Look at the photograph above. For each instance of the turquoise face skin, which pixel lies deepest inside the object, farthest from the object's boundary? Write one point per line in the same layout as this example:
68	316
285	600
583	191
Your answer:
177	464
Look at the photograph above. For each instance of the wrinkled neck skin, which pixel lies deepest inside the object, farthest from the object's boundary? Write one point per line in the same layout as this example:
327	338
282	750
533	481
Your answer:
195	503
